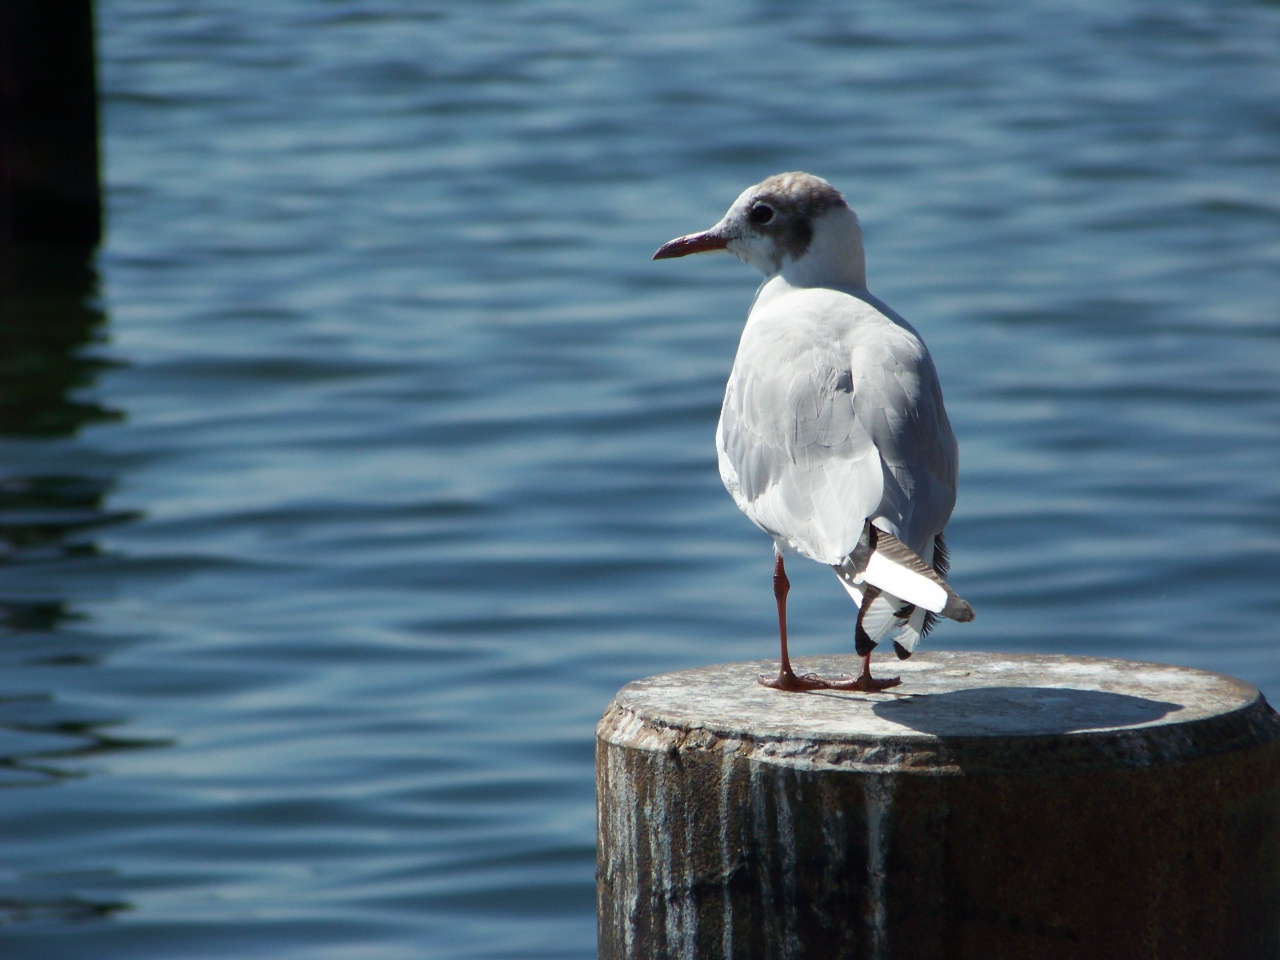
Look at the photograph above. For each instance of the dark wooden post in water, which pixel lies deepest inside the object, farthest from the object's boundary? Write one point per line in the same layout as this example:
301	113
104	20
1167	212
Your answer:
49	190
991	807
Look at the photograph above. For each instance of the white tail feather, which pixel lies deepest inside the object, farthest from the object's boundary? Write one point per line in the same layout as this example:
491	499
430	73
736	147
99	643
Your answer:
884	561
905	583
909	636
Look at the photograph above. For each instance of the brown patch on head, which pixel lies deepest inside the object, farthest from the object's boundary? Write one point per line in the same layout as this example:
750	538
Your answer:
809	195
797	199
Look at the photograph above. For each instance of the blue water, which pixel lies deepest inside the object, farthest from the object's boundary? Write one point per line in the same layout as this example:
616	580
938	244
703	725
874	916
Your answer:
373	454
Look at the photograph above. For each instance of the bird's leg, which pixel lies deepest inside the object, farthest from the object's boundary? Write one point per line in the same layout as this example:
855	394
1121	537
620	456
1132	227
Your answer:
786	679
864	681
781	587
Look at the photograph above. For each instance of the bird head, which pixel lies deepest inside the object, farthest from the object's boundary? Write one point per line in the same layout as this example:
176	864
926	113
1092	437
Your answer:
793	224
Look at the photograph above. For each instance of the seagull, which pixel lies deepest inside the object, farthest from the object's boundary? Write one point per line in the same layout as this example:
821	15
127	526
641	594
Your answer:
833	438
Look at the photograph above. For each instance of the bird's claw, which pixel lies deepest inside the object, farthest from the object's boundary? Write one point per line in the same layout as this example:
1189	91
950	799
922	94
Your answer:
864	682
786	680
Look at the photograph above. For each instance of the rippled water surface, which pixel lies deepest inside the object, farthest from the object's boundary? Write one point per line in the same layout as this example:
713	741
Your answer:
373	454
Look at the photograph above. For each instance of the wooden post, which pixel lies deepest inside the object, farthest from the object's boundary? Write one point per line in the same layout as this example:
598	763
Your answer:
993	806
49	191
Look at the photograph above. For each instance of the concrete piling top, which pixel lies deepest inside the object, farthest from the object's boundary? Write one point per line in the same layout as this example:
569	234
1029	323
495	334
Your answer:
955	713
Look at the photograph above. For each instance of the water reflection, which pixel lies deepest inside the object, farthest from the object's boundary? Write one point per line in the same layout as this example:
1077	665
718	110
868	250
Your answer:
50	327
48	517
33	616
62	910
41	745
51	331
49	324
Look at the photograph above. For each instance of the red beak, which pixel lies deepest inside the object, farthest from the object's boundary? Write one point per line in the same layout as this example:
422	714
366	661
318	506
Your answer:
694	243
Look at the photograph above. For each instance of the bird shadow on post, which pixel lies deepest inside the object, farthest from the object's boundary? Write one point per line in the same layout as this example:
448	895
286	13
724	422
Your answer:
1026	711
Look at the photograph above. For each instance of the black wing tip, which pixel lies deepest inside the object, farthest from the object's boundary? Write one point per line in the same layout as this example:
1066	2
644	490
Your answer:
941	556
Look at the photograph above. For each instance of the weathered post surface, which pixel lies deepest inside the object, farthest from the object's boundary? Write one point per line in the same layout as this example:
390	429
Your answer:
993	806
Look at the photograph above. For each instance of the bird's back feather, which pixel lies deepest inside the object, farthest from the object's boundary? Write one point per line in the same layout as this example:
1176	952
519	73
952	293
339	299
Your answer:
833	416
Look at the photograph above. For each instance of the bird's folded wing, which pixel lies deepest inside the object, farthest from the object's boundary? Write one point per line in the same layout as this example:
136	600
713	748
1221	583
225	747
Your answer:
793	452
899	401
833	415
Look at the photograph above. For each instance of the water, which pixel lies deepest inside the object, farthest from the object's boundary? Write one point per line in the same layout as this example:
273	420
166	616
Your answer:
373	454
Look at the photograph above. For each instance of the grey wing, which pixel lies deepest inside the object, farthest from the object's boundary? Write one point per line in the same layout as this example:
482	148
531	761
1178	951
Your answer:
900	401
793	450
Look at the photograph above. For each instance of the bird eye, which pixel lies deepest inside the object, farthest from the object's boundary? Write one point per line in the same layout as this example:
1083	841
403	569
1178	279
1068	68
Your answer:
761	214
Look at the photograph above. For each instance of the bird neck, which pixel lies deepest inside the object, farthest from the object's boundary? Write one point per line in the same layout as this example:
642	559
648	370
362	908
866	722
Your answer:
834	257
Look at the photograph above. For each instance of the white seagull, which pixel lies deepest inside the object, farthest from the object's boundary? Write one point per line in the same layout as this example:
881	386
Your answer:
833	438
